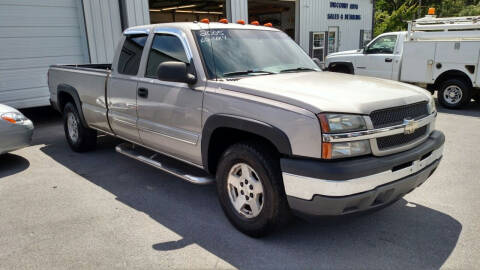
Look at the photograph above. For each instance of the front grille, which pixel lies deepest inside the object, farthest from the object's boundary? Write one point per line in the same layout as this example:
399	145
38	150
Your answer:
395	116
384	143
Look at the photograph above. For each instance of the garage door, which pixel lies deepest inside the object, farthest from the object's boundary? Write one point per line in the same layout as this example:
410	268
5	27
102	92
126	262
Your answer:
33	35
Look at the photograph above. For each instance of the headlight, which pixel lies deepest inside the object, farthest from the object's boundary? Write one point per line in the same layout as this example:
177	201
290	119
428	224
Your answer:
343	123
14	117
340	123
431	106
345	149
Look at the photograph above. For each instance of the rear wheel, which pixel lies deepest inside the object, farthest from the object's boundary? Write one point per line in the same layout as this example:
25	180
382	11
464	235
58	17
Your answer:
79	137
250	189
454	93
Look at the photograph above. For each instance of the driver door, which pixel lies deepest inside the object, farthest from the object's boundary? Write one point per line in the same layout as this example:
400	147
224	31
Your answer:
169	113
378	58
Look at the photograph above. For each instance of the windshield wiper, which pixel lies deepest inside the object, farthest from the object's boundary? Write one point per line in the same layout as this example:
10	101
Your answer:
297	69
246	72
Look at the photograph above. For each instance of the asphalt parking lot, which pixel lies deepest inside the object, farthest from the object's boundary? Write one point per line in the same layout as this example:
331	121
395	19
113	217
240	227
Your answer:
60	209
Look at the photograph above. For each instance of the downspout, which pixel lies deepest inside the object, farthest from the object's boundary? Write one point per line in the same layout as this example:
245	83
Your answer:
123	15
373	18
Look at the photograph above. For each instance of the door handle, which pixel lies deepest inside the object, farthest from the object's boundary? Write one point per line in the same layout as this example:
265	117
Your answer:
388	60
142	92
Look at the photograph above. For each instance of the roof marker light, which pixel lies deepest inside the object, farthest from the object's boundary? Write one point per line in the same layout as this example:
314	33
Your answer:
205	20
241	22
255	23
268	25
431	11
223	21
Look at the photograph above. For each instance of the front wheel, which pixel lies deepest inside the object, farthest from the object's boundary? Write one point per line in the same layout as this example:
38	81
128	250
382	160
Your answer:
79	137
454	94
250	189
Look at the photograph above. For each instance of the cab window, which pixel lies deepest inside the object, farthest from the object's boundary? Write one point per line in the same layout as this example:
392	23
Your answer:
131	54
383	45
165	48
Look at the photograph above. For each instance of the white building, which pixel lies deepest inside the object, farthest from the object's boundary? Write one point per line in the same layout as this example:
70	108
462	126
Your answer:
37	33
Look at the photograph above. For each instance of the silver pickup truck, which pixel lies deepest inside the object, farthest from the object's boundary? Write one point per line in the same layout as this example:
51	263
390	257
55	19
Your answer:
244	106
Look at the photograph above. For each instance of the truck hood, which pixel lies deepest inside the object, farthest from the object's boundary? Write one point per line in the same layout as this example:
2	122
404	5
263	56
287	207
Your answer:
329	92
344	53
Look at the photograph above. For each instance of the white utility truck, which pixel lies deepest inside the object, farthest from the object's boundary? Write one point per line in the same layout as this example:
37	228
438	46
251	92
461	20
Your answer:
441	54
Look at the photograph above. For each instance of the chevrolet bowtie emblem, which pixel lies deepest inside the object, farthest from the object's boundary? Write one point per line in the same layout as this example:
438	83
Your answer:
410	126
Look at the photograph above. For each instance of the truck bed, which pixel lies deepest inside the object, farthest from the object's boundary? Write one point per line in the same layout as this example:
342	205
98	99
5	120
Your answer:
89	81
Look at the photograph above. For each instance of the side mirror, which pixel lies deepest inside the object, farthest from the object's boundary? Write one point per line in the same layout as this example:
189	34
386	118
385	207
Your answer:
318	62
175	72
364	50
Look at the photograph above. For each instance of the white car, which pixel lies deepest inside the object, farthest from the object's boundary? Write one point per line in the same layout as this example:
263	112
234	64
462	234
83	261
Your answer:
16	130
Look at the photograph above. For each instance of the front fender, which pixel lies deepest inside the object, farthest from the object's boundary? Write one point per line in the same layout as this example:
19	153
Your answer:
277	137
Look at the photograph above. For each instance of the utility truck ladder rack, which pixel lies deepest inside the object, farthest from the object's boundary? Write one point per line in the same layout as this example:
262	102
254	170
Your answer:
453	28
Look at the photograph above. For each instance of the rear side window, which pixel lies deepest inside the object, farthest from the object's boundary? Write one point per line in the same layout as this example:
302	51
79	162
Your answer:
164	48
131	54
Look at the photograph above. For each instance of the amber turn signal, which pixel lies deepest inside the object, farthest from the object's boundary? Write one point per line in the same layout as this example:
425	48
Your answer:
326	150
324	123
9	119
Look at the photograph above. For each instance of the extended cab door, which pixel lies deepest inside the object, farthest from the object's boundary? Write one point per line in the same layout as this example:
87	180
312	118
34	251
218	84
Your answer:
169	113
122	88
378	58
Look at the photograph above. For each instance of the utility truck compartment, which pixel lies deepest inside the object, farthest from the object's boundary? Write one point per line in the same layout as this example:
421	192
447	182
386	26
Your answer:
421	56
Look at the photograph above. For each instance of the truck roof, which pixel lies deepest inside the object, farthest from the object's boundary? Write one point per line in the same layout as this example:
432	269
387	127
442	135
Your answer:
145	29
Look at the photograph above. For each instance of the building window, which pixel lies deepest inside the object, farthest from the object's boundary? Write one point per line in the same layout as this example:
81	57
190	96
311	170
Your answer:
333	39
131	54
317	45
365	37
165	48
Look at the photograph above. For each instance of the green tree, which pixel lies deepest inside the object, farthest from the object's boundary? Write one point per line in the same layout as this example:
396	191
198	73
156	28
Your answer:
393	15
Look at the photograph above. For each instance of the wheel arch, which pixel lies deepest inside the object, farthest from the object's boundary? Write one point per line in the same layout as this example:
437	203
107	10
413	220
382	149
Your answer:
67	93
236	129
452	74
336	64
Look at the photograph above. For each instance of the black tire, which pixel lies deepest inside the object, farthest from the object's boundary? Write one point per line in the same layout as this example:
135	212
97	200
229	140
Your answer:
275	211
452	103
86	139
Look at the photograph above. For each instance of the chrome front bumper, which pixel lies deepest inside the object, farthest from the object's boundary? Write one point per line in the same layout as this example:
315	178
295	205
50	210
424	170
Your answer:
306	187
345	185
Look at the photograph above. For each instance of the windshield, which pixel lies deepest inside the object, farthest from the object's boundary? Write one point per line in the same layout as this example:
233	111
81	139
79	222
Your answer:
241	52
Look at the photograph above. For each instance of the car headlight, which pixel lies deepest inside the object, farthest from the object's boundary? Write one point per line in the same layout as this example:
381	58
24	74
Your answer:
345	149
343	123
431	106
14	117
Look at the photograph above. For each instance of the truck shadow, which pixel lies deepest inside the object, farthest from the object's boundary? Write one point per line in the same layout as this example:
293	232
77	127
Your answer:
471	109
11	164
403	236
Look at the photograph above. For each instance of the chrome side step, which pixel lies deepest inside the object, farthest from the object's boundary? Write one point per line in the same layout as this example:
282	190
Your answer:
166	164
